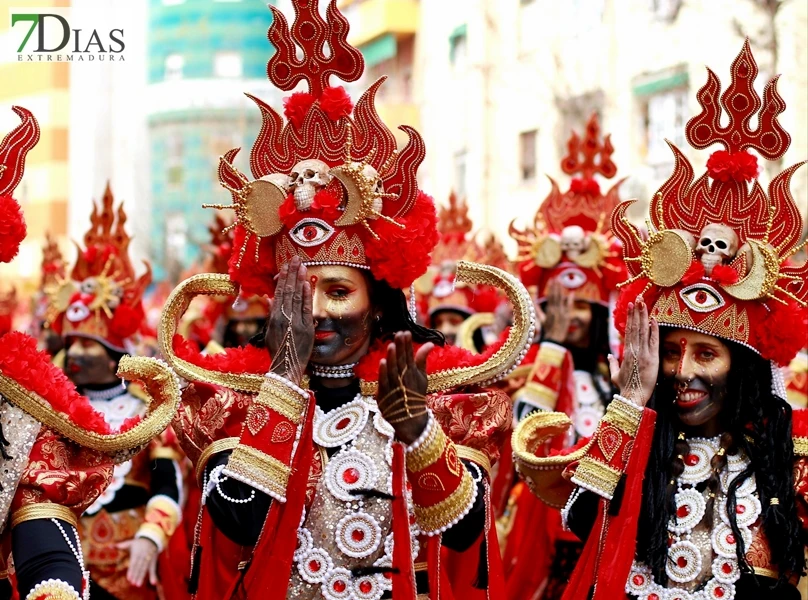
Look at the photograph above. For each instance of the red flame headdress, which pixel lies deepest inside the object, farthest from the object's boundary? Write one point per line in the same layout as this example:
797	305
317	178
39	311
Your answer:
570	239
13	149
329	185
437	289
717	259
102	299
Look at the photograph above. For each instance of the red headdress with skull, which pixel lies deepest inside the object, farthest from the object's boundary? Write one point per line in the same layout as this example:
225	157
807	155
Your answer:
717	257
329	185
102	299
570	239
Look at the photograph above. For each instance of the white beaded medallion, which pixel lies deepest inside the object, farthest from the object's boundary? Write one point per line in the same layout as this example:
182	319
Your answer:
368	587
341	425
358	535
304	543
747	511
684	561
315	566
587	419
697	462
726	570
349	470
337	585
690	507
724	540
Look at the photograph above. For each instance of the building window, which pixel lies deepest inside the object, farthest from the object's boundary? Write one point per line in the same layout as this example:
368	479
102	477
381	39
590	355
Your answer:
173	67
527	155
460	159
227	64
665	118
174	150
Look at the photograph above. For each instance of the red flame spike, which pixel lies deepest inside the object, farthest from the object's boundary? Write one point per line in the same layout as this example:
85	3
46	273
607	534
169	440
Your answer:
311	34
590	156
14	148
741	102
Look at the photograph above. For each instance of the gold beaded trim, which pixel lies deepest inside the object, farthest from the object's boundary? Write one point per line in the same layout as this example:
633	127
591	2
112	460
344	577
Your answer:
801	446
159	383
444	513
475	456
467	329
429	451
251	465
536	394
43	510
153	532
53	589
596	476
282	399
218	446
623	415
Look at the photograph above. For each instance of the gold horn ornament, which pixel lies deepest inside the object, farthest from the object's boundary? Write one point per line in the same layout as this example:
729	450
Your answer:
497	366
762	276
159	384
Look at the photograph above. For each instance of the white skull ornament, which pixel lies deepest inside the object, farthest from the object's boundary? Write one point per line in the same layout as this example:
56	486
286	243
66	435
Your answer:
306	179
574	241
718	244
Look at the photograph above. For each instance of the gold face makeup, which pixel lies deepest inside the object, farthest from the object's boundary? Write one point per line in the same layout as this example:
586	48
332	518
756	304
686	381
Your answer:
342	313
697	366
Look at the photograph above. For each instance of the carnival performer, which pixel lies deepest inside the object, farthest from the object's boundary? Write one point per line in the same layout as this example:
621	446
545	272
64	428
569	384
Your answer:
99	314
350	456
692	487
446	304
53	271
56	452
571	259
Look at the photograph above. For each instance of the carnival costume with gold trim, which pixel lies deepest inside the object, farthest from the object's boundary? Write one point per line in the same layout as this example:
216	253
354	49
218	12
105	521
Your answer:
308	498
102	301
437	290
58	453
570	241
716	262
53	271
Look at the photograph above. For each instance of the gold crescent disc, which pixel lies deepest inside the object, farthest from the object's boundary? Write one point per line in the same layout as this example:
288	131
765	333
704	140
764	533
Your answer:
762	275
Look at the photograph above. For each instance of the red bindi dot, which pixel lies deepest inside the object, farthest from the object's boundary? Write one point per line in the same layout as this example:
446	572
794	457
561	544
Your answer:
313	279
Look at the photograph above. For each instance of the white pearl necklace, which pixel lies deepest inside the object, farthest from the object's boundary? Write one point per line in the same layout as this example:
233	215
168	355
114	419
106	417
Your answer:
77	552
685	561
333	371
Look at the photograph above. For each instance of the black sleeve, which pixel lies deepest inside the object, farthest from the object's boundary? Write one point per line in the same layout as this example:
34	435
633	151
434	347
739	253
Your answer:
462	535
41	553
582	514
164	478
241	522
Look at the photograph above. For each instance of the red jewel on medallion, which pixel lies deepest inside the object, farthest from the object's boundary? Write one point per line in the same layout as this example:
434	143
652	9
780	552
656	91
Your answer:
339	586
692	460
726	568
638	580
740	509
365	587
719	592
350	476
343	423
681	562
730	539
683	511
653	597
314	566
357	535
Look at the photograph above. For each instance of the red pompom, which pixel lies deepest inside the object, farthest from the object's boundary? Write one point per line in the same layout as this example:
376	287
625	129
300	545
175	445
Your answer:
782	334
799	422
740	166
12	228
629	293
585	186
336	103
724	274
255	277
246	359
297	106
126	320
418	236
694	273
326	203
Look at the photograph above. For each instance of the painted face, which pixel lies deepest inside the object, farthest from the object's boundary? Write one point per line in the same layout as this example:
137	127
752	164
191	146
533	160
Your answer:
448	323
580	322
697	366
87	363
342	313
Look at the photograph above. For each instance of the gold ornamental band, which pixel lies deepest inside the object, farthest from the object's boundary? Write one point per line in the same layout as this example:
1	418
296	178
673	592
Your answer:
439	516
53	589
597	477
261	468
475	456
623	415
44	510
429	451
801	446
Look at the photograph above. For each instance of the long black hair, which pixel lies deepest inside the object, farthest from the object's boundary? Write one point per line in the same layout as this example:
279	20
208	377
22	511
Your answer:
394	316
754	420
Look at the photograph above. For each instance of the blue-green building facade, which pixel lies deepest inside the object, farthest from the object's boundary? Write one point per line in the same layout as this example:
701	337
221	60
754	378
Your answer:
202	56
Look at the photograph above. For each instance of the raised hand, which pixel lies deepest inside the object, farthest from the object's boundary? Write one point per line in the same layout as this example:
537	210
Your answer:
142	560
636	377
290	332
558	313
402	387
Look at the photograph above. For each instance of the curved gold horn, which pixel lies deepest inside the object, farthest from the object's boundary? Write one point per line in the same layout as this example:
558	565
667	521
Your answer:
208	284
158	382
762	275
508	357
